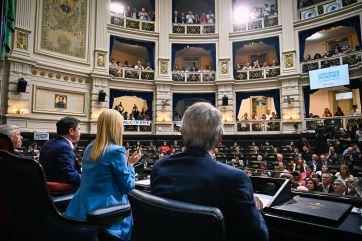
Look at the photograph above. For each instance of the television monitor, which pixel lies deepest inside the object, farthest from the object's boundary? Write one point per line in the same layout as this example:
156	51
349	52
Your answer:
329	77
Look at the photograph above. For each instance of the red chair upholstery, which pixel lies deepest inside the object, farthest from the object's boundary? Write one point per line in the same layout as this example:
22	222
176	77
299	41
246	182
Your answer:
59	188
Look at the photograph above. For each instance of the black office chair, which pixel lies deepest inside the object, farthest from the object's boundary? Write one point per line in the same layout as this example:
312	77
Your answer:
27	211
162	219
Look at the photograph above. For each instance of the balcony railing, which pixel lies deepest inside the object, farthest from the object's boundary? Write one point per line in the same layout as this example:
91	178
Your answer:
258	126
323	8
350	59
137	125
347	122
182	76
133	23
179	28
257	23
130	73
261	73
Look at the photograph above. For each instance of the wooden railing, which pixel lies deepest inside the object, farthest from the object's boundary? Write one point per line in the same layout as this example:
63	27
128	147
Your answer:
350	59
202	76
323	8
256	23
182	28
132	23
131	73
260	73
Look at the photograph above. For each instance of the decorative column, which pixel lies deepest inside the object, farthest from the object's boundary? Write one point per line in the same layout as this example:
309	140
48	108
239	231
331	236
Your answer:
101	55
163	108
226	90
18	104
288	47
224	21
165	27
99	83
290	105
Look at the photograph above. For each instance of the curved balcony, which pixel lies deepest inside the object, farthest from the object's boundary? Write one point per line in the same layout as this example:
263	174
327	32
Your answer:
183	76
350	59
256	23
179	28
262	73
258	126
133	23
323	8
131	73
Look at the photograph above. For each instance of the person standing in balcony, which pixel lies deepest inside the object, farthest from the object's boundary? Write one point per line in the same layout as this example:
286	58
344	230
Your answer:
190	18
210	18
176	18
143	14
138	65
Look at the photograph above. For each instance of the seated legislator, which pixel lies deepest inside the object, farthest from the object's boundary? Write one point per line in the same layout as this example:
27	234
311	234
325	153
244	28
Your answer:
107	176
193	176
13	132
57	156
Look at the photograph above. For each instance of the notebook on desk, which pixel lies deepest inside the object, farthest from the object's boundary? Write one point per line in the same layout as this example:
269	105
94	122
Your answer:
314	210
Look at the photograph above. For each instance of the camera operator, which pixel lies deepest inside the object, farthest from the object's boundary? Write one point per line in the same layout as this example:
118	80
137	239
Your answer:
322	134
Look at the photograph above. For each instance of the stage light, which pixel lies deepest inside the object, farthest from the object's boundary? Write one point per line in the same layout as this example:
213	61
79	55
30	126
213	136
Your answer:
117	8
241	15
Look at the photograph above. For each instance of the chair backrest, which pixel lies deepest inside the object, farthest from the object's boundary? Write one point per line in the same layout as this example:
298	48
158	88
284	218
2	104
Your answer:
6	144
162	219
29	211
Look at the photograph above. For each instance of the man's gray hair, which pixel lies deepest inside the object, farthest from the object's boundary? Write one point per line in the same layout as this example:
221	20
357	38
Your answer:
8	129
202	126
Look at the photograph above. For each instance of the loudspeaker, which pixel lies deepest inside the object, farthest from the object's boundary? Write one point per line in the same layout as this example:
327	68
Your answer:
22	83
102	96
225	100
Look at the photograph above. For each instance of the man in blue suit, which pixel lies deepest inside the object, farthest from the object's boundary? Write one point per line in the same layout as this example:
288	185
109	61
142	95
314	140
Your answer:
193	176
57	156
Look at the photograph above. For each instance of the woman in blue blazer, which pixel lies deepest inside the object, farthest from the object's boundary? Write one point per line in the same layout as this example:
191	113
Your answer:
108	175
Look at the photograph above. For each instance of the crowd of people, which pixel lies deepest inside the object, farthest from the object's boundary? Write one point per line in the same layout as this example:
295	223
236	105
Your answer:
115	66
193	17
255	65
333	53
339	112
141	14
135	114
191	166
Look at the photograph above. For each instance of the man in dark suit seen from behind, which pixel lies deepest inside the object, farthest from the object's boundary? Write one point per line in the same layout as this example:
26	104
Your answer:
193	176
57	156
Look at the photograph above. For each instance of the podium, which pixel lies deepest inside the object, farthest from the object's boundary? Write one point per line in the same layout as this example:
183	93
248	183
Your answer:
306	216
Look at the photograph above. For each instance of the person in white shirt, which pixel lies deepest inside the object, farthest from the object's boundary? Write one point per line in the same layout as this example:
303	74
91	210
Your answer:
210	18
268	115
138	65
143	15
190	18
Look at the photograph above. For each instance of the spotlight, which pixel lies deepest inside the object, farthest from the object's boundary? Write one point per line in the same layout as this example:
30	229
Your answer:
117	8
241	15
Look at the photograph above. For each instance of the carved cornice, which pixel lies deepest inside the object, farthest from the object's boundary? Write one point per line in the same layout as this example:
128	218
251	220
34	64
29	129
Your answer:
61	76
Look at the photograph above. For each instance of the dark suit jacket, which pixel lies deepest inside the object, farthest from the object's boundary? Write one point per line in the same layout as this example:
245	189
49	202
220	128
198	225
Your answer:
178	19
58	160
330	189
193	176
